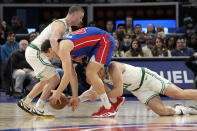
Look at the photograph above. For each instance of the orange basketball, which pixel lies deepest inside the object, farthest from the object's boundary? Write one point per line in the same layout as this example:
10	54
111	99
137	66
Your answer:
58	106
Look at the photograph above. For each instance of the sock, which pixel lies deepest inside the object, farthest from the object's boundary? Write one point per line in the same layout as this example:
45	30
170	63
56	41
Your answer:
105	101
113	100
27	99
83	97
40	103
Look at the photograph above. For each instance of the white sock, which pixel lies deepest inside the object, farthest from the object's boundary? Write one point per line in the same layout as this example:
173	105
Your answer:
113	100
83	97
105	101
27	99
40	103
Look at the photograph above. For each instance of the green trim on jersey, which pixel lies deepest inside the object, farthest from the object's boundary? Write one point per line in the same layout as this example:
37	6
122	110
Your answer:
151	97
142	79
38	55
162	82
34	47
39	76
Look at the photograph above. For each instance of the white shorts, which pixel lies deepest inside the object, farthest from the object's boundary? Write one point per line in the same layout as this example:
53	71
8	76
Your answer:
40	63
152	86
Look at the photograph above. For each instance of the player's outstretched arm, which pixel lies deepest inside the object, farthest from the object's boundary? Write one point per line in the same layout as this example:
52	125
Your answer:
115	71
65	48
74	82
74	102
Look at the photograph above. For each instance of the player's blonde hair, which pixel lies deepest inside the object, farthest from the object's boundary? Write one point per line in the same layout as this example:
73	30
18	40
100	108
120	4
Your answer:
75	8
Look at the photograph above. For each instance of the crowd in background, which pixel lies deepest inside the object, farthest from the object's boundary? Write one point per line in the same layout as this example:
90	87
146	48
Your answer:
130	42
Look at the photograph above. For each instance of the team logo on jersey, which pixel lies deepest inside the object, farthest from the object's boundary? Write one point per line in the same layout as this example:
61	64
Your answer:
69	36
80	31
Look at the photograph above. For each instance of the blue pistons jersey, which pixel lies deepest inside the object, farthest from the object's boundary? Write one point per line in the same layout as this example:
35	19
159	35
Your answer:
92	41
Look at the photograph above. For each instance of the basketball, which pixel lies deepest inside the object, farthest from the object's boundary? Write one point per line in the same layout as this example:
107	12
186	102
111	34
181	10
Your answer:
57	105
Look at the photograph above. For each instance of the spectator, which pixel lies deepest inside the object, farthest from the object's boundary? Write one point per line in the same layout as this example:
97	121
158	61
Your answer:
135	50
129	25
192	64
160	28
141	39
192	43
110	26
161	35
181	48
9	46
150	29
160	49
117	50
2	36
189	31
170	43
17	26
188	21
147	49
160	32
121	31
114	34
126	44
5	27
17	70
32	36
137	30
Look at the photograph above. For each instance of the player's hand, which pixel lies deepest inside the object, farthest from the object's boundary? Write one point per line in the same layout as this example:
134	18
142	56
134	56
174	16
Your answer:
74	102
91	95
55	96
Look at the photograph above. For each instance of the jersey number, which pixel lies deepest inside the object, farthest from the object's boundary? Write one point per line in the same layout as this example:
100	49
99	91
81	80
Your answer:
80	31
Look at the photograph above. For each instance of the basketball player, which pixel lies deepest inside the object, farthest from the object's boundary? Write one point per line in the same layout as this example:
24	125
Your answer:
146	85
95	43
41	65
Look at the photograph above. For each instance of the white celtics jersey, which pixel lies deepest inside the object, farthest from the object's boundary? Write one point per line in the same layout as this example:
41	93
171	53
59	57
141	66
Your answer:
131	77
46	33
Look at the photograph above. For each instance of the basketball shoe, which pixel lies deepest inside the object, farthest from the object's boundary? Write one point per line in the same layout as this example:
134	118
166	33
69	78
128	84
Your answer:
103	112
26	107
192	110
42	112
120	101
183	110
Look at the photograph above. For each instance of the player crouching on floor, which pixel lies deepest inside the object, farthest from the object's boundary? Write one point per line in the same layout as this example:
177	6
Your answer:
146	85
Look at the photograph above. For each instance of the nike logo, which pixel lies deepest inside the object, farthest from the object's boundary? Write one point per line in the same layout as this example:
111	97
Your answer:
41	112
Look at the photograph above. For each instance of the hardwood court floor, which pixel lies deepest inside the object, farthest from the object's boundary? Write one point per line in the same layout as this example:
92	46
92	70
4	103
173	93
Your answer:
132	116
